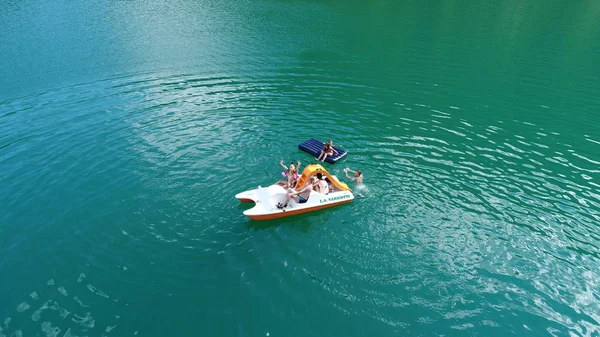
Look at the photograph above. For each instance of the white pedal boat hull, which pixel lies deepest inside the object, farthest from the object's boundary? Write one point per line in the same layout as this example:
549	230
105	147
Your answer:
267	198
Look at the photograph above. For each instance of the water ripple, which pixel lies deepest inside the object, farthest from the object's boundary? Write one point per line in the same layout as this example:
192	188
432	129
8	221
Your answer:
482	217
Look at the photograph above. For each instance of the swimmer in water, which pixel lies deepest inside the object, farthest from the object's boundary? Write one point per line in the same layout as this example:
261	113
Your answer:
358	176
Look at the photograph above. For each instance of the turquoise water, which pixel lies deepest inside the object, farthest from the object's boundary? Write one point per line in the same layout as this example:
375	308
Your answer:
126	128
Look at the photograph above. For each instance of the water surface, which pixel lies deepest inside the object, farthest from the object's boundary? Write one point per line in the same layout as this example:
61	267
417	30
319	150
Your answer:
126	128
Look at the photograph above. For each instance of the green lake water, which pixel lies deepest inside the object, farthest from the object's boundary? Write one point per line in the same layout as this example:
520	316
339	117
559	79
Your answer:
127	127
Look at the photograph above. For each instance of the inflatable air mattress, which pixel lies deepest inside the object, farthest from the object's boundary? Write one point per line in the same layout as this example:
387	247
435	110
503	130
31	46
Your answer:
314	147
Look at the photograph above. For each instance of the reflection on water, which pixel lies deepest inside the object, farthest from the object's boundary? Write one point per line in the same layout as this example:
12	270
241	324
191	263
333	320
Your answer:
462	218
474	125
56	311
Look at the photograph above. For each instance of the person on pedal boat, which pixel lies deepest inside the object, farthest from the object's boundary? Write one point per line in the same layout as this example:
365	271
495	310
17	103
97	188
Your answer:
301	195
322	185
291	173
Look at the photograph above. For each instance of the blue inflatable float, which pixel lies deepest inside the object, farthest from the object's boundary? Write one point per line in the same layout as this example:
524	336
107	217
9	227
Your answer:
314	147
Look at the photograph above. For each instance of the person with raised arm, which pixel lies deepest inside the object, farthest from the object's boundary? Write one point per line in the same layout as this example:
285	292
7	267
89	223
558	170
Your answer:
291	173
358	176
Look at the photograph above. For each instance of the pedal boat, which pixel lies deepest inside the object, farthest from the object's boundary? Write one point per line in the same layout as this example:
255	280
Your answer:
267	198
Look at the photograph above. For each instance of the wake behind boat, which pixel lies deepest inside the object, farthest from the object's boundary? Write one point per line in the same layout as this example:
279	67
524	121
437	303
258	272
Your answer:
268	198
